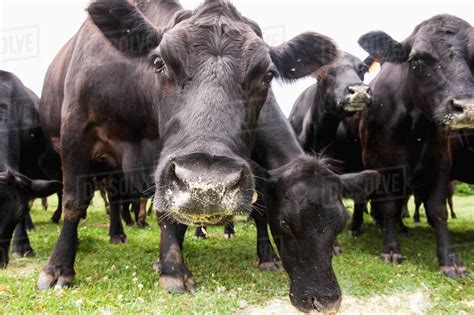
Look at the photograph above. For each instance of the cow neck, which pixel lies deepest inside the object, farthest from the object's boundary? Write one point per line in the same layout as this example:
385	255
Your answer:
324	123
276	143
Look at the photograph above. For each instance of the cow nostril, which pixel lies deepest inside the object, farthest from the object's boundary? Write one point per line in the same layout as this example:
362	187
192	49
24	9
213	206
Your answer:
457	107
234	180
351	90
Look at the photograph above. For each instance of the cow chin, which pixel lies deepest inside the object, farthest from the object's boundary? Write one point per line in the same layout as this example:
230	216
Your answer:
461	121
356	103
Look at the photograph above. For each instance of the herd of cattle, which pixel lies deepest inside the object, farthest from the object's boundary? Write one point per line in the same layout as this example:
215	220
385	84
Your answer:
149	100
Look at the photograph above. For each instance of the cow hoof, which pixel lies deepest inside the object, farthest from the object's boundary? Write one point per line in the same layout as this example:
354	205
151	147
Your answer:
200	237
392	258
177	283
271	266
130	224
24	254
337	250
229	235
118	239
453	216
143	224
454	272
47	281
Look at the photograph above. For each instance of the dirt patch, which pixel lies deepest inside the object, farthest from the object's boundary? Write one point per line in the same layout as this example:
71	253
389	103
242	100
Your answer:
403	303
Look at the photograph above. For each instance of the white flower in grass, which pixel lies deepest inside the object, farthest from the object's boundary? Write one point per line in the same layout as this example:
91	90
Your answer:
120	297
135	279
134	274
140	286
79	303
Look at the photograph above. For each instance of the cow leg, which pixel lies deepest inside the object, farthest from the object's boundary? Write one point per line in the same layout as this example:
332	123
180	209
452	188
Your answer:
77	193
57	214
44	203
29	225
451	207
416	216
141	217
405	212
357	218
449	262
103	195
116	232
201	232
5	240
391	250
21	243
175	277
125	211
150	209
267	258
229	231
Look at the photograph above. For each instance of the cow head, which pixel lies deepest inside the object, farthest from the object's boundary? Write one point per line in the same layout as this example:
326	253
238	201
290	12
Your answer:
305	216
342	86
15	192
212	75
438	58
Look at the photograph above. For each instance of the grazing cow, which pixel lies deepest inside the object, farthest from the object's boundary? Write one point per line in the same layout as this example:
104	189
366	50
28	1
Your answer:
149	88
326	118
424	90
305	210
19	135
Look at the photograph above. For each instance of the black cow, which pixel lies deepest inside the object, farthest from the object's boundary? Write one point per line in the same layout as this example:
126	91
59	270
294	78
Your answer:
305	209
424	90
148	87
339	93
20	135
326	116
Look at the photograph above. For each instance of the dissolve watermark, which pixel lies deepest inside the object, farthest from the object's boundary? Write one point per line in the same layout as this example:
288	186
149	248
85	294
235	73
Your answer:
19	43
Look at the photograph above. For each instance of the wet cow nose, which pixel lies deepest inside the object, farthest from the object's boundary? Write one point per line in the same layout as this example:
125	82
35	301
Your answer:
359	88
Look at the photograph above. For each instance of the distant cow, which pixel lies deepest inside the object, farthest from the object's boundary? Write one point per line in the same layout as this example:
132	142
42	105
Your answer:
149	88
339	93
424	91
20	134
326	118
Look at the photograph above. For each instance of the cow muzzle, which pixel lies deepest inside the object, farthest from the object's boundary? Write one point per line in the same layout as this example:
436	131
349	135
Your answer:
203	189
358	98
460	114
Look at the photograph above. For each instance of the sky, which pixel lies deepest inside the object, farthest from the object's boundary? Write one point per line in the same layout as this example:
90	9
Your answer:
32	32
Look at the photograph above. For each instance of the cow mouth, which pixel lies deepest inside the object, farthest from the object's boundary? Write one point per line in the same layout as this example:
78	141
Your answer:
201	219
460	121
357	102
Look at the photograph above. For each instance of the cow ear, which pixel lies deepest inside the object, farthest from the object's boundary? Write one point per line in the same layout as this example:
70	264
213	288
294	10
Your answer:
125	26
44	188
303	55
383	48
359	186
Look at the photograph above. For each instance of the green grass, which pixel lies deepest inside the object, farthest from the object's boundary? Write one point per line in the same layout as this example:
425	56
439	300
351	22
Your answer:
119	278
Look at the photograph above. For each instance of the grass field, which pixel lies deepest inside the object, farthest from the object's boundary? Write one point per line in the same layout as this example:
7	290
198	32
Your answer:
119	278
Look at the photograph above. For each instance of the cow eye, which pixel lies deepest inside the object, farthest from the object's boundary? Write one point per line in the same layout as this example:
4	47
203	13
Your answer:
159	65
285	226
268	78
